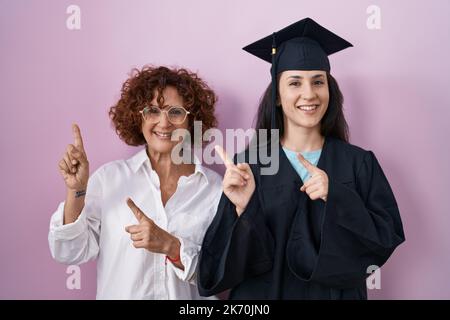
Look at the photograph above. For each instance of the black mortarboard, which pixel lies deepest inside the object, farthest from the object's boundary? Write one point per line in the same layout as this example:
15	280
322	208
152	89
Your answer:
304	45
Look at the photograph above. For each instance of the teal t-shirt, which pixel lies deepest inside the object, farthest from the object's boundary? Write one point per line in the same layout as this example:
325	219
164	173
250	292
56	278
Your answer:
312	156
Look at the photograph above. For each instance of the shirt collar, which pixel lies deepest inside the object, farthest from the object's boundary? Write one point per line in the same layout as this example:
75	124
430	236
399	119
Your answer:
136	161
139	159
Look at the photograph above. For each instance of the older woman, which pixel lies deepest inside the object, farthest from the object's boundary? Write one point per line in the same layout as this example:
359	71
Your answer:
143	218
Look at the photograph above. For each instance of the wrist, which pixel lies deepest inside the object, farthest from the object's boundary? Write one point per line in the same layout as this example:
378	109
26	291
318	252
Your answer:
77	193
173	255
173	251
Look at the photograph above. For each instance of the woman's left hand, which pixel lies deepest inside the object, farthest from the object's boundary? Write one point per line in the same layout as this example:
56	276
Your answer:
316	187
148	235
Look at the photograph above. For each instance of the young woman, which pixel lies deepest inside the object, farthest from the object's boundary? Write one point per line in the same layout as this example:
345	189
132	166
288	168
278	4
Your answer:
315	228
143	218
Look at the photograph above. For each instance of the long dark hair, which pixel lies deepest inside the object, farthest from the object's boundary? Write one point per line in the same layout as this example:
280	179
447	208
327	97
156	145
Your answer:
333	123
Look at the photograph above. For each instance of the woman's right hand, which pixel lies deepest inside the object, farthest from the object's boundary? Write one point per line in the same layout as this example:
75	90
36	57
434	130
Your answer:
74	166
238	181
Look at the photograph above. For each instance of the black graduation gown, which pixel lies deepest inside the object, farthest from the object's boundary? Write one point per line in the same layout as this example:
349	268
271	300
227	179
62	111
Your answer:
286	246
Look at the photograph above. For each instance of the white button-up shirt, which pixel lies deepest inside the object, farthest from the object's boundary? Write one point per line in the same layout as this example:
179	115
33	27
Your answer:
124	272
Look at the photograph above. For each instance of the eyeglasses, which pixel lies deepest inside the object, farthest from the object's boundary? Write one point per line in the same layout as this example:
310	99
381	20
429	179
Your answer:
175	115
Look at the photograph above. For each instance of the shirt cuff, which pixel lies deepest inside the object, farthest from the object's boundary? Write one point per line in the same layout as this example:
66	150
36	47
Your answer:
188	255
67	231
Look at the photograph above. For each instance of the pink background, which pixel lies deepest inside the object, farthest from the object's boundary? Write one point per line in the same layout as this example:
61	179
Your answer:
395	82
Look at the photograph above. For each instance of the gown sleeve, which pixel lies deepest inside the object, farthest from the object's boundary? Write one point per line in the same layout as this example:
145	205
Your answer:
360	227
234	248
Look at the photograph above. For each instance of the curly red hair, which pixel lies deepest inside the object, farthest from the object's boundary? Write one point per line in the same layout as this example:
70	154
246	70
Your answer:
140	88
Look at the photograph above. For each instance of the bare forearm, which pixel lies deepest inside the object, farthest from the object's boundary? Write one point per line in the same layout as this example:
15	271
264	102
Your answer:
72	207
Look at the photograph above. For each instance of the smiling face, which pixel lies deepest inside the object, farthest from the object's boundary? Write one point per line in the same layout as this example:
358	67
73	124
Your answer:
304	97
158	135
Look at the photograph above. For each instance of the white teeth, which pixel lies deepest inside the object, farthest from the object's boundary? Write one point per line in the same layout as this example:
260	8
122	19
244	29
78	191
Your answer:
308	108
162	134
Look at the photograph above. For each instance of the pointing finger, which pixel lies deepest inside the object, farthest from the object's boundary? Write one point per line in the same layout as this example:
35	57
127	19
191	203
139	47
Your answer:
308	166
77	137
140	216
224	156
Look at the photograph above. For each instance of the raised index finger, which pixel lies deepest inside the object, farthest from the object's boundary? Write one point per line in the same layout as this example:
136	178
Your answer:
224	156
308	165
77	137
137	212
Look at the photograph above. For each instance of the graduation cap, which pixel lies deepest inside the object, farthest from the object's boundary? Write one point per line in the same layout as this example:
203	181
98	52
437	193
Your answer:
303	45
